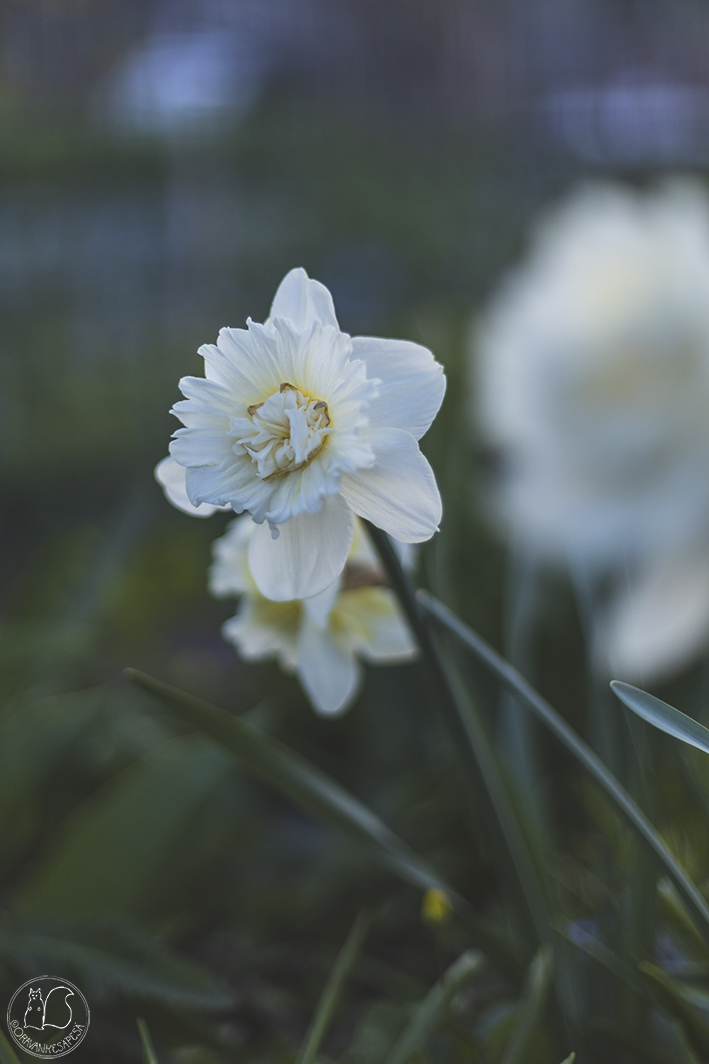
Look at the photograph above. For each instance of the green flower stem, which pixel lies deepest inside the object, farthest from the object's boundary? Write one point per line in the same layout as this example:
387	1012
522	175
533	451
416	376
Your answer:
471	742
515	682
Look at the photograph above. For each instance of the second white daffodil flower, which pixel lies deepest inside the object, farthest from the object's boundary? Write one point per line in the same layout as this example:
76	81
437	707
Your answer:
304	427
319	638
593	387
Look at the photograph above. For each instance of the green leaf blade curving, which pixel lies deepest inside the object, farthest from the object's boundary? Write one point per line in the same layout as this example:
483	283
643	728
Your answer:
432	1009
662	716
322	797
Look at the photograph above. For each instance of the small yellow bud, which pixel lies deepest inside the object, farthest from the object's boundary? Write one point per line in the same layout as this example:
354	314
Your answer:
435	906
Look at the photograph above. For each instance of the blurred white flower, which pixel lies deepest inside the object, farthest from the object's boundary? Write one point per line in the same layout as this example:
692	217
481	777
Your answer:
304	427
593	386
320	637
172	83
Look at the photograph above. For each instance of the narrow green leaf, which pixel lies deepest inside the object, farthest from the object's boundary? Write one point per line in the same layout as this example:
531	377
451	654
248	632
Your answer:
330	997
690	1056
7	1055
432	1009
321	796
675	913
530	1010
603	955
662	716
149	1055
682	1002
570	1059
295	777
515	682
121	958
641	1049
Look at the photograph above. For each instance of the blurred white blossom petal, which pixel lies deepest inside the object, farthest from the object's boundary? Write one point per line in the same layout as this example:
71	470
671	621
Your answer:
593	378
170	475
304	427
663	617
320	637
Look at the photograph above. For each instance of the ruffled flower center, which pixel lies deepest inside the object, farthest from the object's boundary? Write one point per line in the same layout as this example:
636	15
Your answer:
283	433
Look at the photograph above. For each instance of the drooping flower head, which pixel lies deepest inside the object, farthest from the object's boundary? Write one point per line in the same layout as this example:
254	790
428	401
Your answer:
319	638
304	426
593	385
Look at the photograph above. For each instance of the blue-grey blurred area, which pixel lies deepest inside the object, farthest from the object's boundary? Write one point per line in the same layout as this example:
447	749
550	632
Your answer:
163	164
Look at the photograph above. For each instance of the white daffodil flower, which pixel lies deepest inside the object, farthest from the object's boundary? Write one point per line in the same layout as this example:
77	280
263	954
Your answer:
319	638
304	426
593	386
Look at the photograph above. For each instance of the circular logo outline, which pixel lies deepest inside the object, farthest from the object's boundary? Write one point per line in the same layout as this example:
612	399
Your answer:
61	981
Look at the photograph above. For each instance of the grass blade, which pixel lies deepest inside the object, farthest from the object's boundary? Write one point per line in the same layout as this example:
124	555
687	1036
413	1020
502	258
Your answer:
433	1007
570	1059
677	1000
146	1043
641	1050
662	716
531	1007
310	788
603	955
330	997
122	958
322	797
7	1054
631	811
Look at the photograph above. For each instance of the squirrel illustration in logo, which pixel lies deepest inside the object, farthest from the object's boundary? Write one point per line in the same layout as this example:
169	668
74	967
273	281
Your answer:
37	1007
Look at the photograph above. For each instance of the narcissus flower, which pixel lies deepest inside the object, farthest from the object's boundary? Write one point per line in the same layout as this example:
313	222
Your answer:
304	426
319	638
593	385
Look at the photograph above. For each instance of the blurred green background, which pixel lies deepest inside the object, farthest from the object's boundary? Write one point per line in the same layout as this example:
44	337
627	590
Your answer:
162	166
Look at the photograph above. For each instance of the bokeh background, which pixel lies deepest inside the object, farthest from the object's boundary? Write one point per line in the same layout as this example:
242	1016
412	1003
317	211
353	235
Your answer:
163	164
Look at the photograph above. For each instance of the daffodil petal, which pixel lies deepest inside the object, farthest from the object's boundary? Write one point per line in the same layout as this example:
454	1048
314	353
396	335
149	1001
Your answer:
303	301
412	384
171	477
399	492
329	673
319	607
374	614
229	572
309	553
257	634
661	620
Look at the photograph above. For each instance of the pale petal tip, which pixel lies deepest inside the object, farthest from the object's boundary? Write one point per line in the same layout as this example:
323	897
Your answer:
303	300
172	477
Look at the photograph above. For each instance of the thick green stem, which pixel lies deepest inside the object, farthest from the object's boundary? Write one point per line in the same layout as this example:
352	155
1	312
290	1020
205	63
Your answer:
471	742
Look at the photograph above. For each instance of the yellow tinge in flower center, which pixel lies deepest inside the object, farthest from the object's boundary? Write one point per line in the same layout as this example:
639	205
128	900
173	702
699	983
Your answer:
283	433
